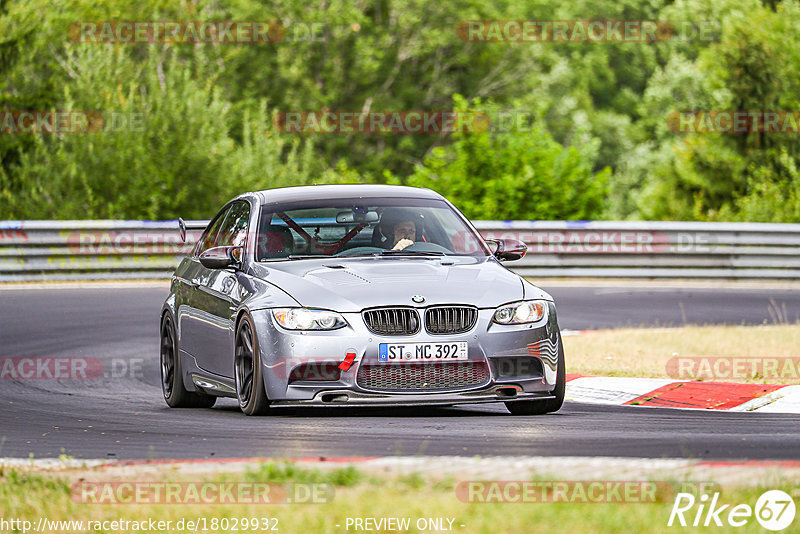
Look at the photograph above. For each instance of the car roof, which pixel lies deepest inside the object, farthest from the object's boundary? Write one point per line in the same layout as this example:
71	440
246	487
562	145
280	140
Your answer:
309	192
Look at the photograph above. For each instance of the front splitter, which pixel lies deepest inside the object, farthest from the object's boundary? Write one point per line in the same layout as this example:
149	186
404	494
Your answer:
354	398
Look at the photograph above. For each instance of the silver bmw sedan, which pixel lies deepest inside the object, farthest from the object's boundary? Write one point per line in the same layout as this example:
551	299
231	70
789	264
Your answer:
356	295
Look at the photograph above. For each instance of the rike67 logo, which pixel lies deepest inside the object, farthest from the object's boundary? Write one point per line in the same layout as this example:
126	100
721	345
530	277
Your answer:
774	510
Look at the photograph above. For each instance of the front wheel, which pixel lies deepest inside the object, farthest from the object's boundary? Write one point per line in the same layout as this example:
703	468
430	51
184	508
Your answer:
540	407
247	367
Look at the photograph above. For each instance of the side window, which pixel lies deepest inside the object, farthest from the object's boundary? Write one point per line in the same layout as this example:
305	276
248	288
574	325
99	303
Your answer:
210	235
233	231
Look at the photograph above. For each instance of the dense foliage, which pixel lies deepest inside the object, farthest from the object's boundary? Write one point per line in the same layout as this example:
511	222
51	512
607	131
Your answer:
197	120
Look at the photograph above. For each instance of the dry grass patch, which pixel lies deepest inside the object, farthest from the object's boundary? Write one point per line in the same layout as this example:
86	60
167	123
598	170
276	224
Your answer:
646	352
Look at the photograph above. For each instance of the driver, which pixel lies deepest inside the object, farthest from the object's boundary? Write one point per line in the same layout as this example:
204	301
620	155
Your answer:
403	234
400	228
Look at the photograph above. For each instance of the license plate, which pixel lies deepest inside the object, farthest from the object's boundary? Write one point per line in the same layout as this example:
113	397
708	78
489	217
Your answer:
429	352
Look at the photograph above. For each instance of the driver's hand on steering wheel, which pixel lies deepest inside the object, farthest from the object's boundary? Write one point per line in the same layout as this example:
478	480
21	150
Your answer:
403	243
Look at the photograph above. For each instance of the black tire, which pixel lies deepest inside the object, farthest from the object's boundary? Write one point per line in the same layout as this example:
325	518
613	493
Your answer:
247	369
542	407
172	386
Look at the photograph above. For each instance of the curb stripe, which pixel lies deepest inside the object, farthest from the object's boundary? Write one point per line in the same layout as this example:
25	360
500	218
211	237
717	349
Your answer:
666	393
703	395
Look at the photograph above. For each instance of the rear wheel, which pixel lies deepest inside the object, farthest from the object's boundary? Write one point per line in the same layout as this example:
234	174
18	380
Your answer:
540	407
176	395
247	367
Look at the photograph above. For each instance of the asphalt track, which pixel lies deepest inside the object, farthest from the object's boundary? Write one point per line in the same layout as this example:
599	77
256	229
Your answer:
124	417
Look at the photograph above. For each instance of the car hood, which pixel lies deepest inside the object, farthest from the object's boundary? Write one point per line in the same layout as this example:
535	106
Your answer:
350	285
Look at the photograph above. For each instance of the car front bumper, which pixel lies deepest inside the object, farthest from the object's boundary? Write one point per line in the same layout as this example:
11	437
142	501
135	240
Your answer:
518	362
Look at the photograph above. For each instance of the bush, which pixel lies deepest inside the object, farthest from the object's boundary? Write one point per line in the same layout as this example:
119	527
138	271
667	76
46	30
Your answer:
521	174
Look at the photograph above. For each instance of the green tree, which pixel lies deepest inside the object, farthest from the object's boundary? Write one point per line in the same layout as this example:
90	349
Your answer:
521	174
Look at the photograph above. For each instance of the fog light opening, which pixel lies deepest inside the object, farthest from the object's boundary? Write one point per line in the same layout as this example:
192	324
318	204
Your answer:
508	391
335	397
315	372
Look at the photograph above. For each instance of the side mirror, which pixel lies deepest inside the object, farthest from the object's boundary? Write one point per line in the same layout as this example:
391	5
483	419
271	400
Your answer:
221	257
507	249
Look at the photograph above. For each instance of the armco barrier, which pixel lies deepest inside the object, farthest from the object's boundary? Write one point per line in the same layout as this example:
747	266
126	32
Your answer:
83	250
641	249
87	250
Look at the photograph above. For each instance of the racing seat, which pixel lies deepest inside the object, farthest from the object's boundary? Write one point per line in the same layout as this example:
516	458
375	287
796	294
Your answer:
275	242
379	240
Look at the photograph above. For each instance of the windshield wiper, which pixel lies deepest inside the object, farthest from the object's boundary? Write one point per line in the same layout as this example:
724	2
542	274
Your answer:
408	253
297	257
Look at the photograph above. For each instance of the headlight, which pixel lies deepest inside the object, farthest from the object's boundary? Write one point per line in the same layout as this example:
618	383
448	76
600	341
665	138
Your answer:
308	319
528	311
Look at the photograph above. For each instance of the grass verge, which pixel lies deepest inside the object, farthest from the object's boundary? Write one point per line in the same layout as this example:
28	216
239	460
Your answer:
29	496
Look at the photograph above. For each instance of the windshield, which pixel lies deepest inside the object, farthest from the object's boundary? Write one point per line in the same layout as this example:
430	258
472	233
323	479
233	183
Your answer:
364	227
